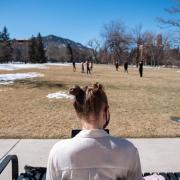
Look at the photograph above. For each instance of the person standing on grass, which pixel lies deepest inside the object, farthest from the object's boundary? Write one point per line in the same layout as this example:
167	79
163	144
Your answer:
70	52
126	66
141	68
82	67
74	66
88	67
117	65
93	153
91	65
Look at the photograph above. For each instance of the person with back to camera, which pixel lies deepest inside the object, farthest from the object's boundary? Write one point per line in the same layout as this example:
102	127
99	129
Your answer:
141	68
82	67
117	65
126	66
91	65
74	66
88	67
93	154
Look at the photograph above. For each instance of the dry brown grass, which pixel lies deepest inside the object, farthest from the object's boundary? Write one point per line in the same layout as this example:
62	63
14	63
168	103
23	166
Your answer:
140	107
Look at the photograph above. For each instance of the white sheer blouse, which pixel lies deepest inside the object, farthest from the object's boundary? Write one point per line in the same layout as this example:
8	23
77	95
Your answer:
94	155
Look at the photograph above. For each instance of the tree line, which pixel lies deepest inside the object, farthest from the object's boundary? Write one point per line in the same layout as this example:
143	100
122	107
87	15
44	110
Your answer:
36	52
117	43
122	44
5	46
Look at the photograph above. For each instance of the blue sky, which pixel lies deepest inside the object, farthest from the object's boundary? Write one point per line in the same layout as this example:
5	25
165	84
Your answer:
79	20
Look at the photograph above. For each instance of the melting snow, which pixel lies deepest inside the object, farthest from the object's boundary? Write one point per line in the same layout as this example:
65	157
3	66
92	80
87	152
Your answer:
17	66
11	67
9	78
59	95
6	82
59	64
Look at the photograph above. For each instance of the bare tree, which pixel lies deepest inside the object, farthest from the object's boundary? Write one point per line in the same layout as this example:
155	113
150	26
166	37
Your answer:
174	21
104	56
137	34
153	48
94	44
170	55
137	40
150	48
116	40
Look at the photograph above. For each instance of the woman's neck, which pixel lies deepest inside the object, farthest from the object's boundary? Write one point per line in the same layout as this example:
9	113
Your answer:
91	125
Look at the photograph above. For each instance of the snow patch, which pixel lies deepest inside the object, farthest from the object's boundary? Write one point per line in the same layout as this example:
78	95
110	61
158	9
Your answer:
6	82
152	67
59	64
9	78
59	95
17	66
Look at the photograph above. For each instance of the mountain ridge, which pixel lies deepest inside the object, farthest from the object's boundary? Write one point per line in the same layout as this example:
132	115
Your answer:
57	40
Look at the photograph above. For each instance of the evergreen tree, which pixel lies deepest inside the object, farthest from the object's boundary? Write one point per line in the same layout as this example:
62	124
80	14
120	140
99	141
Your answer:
40	52
6	49
36	50
5	34
32	50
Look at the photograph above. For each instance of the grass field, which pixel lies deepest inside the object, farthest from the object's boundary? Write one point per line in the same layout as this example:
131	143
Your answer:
140	107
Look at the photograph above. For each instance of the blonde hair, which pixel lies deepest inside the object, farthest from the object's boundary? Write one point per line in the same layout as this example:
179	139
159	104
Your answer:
89	100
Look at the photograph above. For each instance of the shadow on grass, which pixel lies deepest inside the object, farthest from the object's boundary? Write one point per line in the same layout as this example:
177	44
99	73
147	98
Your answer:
40	84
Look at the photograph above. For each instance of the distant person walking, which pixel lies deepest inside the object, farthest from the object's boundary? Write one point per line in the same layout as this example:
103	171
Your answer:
70	53
88	67
74	66
126	66
141	68
117	65
82	67
91	65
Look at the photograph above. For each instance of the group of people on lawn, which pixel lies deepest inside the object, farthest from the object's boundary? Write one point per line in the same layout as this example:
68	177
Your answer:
88	65
126	67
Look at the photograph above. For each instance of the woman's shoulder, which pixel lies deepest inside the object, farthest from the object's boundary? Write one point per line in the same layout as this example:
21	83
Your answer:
60	145
122	143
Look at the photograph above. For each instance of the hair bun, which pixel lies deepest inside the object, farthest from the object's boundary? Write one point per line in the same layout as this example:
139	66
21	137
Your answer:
93	89
97	86
78	93
75	90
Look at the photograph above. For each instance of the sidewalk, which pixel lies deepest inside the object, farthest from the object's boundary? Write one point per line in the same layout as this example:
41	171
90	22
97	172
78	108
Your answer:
157	155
